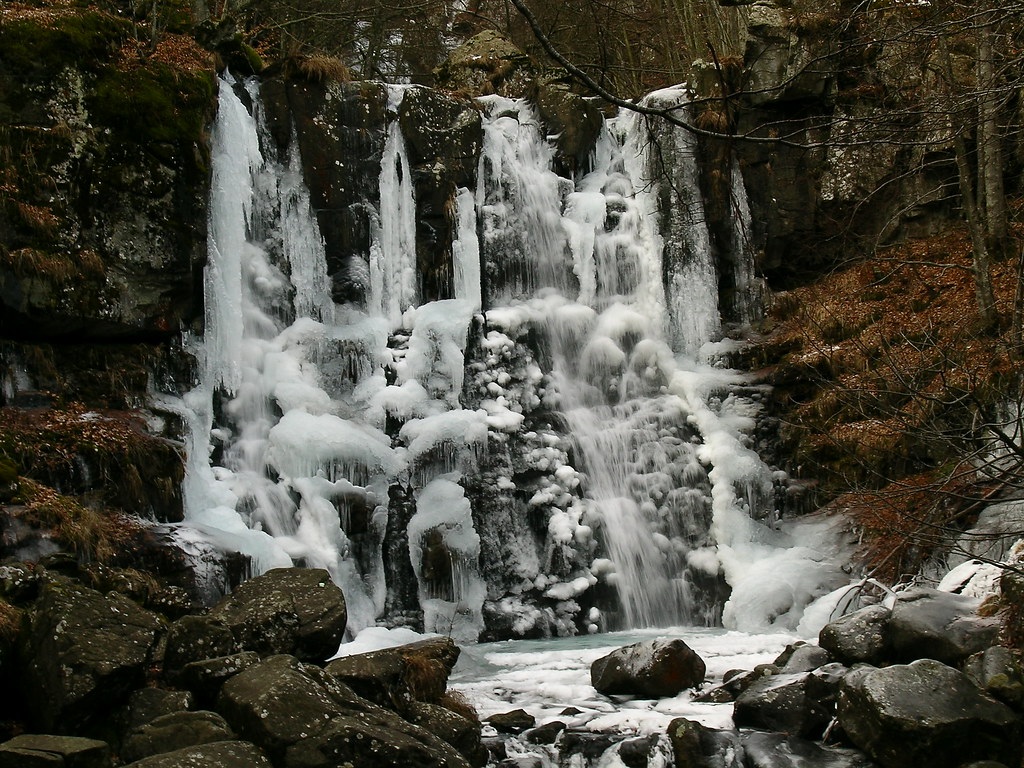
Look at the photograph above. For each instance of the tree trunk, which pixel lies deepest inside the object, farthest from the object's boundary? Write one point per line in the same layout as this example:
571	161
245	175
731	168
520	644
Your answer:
990	153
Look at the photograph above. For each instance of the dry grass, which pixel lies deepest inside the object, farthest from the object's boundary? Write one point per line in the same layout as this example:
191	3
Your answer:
316	69
426	677
887	369
458	702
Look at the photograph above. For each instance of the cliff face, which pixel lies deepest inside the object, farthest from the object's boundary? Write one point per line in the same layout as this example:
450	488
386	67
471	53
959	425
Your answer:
102	227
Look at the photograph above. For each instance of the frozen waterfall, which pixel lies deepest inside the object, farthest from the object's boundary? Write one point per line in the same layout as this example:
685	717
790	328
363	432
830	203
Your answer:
550	451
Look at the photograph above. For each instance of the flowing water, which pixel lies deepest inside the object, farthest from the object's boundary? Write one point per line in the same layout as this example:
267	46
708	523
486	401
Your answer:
556	448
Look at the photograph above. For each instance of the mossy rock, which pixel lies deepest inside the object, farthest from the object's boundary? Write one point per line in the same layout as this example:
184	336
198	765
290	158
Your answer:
31	49
154	103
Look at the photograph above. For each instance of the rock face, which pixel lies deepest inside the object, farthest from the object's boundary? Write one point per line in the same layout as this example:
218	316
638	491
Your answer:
298	611
926	623
104	221
652	669
926	713
83	653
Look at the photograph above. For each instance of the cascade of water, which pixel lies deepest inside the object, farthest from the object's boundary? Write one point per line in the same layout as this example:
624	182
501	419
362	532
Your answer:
336	424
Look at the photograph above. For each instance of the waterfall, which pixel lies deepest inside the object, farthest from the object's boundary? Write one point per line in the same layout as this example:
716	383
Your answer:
548	450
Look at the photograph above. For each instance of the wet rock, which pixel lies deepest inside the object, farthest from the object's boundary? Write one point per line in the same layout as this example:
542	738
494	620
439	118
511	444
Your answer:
781	703
801	657
735	682
574	122
697	746
516	721
928	624
275	703
452	728
178	730
147	704
297	611
394	677
925	713
205	678
636	753
858	637
222	754
996	671
40	750
545	734
652	669
83	653
486	64
196	638
777	750
590	745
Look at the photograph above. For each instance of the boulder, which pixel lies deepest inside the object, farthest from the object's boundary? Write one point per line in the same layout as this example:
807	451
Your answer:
82	654
220	754
276	703
996	671
801	657
452	728
652	669
42	750
196	638
858	637
547	733
205	678
516	721
777	750
781	703
928	624
735	682
175	731
297	611
147	704
925	713
303	718
487	63
394	677
697	746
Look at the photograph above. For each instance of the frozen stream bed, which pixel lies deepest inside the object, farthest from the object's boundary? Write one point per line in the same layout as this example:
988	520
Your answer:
544	677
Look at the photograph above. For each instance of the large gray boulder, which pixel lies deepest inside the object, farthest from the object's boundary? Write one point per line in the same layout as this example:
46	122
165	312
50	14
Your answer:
996	671
928	624
652	669
297	611
82	654
858	637
925	713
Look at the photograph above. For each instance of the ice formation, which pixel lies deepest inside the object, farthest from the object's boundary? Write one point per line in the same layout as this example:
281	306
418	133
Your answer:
549	451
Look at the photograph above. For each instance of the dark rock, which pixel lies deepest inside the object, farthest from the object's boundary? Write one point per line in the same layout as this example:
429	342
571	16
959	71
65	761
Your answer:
545	734
83	654
801	657
486	64
20	582
147	704
275	703
516	721
589	744
222	754
781	703
697	746
196	638
42	751
777	750
735	682
205	678
393	677
858	637
175	731
452	728
574	122
636	753
298	611
996	671
928	624
925	713
652	669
